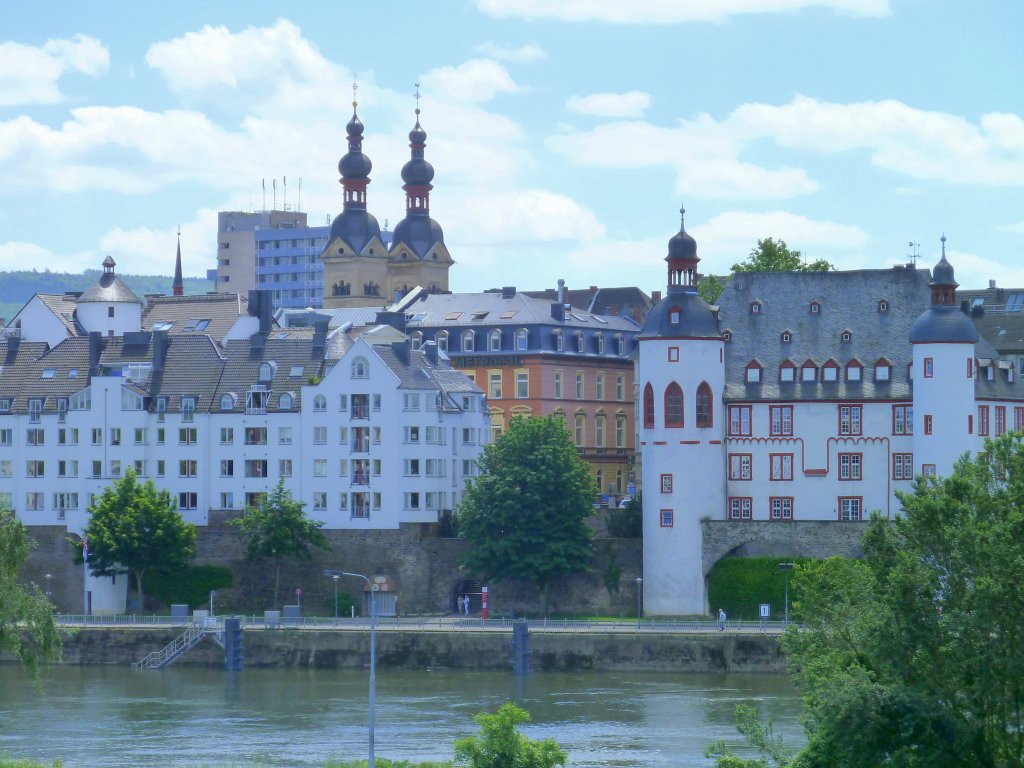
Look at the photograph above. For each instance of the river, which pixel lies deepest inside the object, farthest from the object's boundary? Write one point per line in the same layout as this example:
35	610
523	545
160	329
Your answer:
110	716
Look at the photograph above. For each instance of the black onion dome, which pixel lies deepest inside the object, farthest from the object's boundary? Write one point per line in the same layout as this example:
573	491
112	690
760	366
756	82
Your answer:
696	320
418	233
682	246
942	274
417	135
417	171
355	165
355	125
356	227
943	323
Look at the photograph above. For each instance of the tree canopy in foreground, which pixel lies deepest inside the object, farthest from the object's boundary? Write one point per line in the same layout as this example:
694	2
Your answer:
27	628
526	512
133	527
914	656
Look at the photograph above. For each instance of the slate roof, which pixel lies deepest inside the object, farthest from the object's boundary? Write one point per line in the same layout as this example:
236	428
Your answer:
848	301
517	310
1004	330
63	307
626	302
222	310
286	350
23	365
108	289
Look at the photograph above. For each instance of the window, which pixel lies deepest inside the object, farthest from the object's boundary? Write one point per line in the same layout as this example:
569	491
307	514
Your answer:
781	508
558	385
648	406
740	508
115	468
809	372
35	436
442	340
929	367
522	339
468	341
850	466
360	369
227	500
753	372
188	500
705	407
903	466
599	387
928	470
787	336
673	405
188	408
256	400
522	384
883	306
787	372
187	436
673	315
319	435
256	468
673	354
850	508
581	342
830	371
494	385
740	466
140	436
284	435
970	367
579	428
780	420
255	435
412	500
319	403
559	339
62	501
599	424
412	467
1018	418
66	437
739	420
928	424
815	308
376	402
579	385
284	401
620	431
850	419
667	518
319	499
7	468
34	501
188	468
854	370
666	483
781	466
755	307
160	467
1000	419
35	468
227	402
410	402
983	420
883	370
319	467
412	434
846	337
903	419
227	468
97	436
494	341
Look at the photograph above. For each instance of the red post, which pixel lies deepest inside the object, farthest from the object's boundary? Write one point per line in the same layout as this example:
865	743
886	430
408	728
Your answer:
483	602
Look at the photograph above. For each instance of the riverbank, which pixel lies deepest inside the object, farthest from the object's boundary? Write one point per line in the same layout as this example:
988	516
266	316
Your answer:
405	648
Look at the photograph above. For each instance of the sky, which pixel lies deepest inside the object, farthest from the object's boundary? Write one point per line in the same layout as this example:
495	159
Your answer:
565	134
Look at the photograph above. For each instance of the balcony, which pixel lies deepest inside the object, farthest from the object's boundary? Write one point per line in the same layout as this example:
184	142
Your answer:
360	478
361	446
360	412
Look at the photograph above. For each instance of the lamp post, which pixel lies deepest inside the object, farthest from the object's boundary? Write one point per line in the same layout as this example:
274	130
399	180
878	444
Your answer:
85	575
639	600
786	568
373	647
335	578
49	594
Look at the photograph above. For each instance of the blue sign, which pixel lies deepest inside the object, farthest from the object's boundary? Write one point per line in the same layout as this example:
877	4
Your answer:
630	489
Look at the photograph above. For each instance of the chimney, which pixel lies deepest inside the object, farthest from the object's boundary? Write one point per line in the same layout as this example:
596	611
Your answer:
593	291
561	291
396	320
159	350
655	297
320	337
401	350
991	283
95	348
558	311
13	342
508	292
430	350
261	305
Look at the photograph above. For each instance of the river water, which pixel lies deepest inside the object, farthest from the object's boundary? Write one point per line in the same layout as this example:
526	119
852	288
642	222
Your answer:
181	716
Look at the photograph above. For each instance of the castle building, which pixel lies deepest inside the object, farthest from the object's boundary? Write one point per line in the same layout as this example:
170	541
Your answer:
359	269
803	396
217	409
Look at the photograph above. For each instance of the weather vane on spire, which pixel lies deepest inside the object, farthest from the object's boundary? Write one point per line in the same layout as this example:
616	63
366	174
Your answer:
355	87
417	99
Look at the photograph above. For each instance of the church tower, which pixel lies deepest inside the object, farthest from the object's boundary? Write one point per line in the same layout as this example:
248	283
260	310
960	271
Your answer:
680	381
418	253
355	259
943	340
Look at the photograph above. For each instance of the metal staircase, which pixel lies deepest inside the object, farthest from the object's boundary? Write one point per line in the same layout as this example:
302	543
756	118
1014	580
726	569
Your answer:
170	653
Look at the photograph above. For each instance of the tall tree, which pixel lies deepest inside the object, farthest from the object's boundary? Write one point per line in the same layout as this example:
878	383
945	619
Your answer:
134	527
526	511
775	256
279	529
710	288
500	745
27	628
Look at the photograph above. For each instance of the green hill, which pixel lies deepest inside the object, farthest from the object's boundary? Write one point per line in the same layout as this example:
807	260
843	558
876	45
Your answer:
17	287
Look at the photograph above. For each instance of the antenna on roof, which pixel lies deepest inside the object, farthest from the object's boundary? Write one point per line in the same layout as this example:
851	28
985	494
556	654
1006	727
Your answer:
913	252
300	195
285	192
264	182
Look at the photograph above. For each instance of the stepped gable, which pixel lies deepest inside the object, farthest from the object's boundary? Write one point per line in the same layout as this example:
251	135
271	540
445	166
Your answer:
848	301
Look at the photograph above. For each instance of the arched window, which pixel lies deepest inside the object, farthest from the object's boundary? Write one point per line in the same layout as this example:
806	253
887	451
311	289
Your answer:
468	341
705	409
581	342
320	403
417	339
494	341
648	406
522	338
266	371
673	405
359	368
559	338
442	340
600	343
227	402
284	401
620	344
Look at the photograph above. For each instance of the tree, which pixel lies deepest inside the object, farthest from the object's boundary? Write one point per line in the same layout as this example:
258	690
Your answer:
760	736
526	512
278	529
710	288
499	745
27	628
133	528
627	522
775	256
915	655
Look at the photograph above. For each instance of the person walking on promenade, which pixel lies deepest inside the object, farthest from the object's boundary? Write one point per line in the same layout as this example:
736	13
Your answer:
721	620
465	604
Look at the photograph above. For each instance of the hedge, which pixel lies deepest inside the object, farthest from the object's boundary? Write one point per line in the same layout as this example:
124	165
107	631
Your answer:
741	584
191	584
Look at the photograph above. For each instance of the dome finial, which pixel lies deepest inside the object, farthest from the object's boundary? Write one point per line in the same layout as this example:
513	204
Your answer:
682	217
355	88
943	239
417	103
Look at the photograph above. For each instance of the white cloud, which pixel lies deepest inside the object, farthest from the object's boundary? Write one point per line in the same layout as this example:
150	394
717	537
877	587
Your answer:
975	271
29	75
704	156
1017	228
921	144
472	81
667	11
149	251
629	104
516	217
522	54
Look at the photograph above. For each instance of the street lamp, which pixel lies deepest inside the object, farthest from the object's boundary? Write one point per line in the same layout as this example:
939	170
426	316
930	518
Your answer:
639	601
373	646
49	594
786	568
335	578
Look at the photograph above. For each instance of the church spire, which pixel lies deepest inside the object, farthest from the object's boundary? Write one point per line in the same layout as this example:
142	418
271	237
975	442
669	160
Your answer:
354	166
417	173
178	288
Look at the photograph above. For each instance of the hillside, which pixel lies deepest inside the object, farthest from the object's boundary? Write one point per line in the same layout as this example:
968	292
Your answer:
17	287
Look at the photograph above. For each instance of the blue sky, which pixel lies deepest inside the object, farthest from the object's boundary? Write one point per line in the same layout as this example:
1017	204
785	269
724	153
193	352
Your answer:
564	133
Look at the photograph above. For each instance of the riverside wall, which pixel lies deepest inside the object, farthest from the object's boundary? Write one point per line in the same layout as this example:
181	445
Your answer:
463	649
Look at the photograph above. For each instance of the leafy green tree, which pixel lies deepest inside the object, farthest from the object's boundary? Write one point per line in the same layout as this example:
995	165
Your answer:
279	529
760	736
710	288
27	628
134	527
775	256
500	745
915	655
526	512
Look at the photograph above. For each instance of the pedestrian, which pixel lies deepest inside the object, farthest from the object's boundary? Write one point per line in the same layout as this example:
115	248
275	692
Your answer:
465	604
721	620
458	604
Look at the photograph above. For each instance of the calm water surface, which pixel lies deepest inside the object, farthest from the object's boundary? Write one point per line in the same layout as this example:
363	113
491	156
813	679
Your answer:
99	716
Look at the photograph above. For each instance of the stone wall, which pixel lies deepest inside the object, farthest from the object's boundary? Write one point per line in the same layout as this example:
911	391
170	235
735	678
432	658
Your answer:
53	555
810	538
404	649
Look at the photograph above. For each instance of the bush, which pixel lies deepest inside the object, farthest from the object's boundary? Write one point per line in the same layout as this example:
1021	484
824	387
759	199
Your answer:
741	584
191	584
627	523
383	762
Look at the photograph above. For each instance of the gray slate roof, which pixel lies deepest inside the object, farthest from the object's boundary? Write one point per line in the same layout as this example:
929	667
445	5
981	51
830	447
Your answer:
108	289
222	310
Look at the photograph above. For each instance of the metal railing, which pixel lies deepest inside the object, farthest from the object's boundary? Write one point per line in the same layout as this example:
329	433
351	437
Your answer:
167	655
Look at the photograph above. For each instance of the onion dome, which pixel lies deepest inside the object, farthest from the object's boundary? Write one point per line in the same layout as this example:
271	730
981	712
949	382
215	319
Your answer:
417	232
354	225
682	245
354	164
943	321
682	259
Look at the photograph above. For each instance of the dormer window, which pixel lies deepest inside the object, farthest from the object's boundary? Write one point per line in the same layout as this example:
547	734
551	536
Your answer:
755	307
599	342
727	335
830	371
416	339
854	370
883	305
620	345
494	341
227	402
883	370
267	371
673	315
787	336
468	341
753	372
809	372
787	372
285	401
815	308
188	408
846	337
559	339
522	339
580	342
442	341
